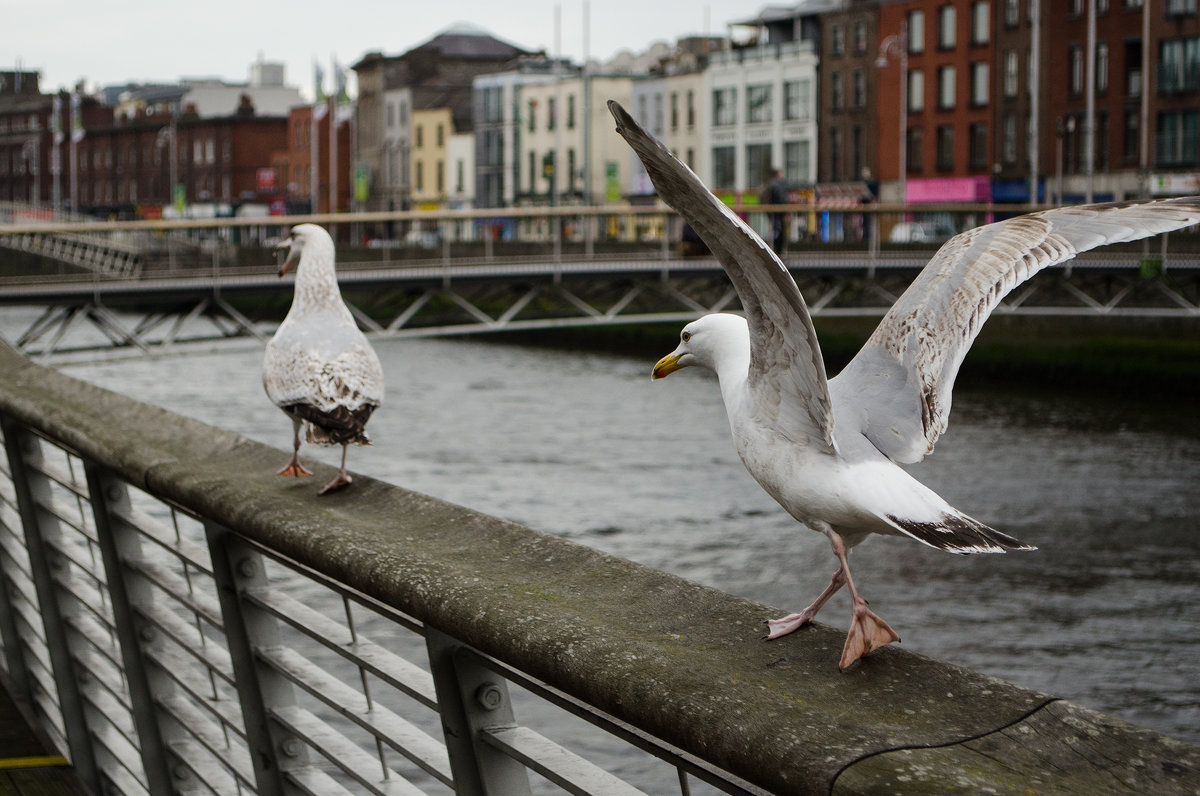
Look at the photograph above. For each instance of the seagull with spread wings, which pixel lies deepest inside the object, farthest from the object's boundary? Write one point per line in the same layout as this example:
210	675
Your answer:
829	450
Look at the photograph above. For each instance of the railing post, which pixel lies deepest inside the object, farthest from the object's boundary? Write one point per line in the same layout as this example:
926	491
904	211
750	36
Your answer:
10	632
118	543
24	451
473	699
238	567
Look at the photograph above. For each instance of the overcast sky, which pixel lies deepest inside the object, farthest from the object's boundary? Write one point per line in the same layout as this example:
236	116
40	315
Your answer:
119	41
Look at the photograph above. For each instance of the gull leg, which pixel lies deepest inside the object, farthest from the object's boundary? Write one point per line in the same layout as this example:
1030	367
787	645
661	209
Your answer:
867	631
342	479
294	467
787	624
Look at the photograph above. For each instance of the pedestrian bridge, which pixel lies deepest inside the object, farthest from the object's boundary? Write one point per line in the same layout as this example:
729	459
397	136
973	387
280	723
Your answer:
635	275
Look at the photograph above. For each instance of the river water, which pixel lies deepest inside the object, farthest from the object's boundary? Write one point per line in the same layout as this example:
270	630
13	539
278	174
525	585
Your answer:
1106	612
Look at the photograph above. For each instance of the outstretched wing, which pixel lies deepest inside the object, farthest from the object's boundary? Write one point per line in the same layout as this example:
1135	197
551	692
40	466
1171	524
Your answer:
896	391
787	375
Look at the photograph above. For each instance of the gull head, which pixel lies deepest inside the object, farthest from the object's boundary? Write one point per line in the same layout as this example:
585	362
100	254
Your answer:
300	237
709	342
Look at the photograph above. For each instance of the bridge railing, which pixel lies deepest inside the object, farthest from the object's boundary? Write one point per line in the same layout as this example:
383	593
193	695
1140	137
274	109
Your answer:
182	620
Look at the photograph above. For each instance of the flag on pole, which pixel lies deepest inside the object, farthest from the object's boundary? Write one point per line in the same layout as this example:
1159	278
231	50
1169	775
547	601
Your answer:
77	131
341	76
318	83
56	119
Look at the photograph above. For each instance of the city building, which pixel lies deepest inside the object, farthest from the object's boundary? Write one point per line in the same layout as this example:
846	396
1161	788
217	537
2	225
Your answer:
435	75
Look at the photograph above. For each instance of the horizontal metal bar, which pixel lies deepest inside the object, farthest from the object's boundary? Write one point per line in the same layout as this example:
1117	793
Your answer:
566	769
163	537
206	776
210	738
364	600
387	666
207	653
347	756
174	586
622	730
223	705
315	782
400	734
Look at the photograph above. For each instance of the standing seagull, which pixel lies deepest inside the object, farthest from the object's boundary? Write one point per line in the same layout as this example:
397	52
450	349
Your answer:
319	368
828	451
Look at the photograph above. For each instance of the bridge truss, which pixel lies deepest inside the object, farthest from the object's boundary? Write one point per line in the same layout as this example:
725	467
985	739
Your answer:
441	298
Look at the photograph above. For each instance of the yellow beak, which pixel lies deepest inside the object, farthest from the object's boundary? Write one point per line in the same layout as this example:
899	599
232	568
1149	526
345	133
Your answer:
666	366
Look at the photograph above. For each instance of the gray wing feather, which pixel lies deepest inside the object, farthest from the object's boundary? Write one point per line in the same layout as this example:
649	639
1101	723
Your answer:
896	391
787	374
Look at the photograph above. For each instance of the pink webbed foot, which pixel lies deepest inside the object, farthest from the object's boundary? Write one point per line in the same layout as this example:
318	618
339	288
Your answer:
787	624
342	480
867	633
294	468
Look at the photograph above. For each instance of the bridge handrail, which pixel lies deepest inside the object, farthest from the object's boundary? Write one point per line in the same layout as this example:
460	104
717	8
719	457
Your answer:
659	656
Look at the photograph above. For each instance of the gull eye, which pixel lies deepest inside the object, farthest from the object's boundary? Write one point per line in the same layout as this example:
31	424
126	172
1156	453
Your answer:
686	336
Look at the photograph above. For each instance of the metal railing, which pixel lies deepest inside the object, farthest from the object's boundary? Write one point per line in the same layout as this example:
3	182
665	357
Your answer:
183	621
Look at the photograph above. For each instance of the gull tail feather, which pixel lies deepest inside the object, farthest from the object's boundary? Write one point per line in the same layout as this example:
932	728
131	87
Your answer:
958	533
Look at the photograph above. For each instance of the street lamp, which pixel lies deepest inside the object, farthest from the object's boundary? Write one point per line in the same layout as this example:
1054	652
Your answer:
896	46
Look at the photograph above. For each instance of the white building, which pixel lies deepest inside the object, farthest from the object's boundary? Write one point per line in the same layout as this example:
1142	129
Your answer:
762	114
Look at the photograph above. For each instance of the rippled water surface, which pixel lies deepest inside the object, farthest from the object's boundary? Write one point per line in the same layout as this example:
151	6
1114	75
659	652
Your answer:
1106	612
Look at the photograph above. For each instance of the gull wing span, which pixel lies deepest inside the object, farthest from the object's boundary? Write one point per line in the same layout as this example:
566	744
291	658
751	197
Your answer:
787	374
897	389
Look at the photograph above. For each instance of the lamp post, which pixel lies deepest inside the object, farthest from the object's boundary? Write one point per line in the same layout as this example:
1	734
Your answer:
896	46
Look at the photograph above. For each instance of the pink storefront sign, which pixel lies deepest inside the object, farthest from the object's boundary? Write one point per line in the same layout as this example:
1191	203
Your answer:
950	189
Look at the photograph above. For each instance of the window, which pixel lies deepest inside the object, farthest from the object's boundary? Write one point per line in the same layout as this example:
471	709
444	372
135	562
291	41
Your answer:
947	19
916	91
571	112
978	150
1179	65
1178	7
419	134
691	109
724	107
420	186
860	38
1008	146
945	87
532	115
1012	12
980	16
758	164
836	92
979	84
916	31
1075	61
441	176
856	151
552	112
795	161
914	149
835	153
724	164
1101	151
532	171
674	111
797	100
945	147
1101	67
860	89
441	136
1133	139
1178	133
1012	77
758	103
837	40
